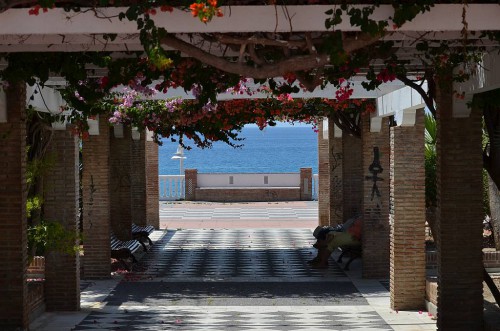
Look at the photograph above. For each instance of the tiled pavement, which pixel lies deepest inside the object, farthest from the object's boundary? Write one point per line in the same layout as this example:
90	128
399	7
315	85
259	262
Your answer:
237	319
206	215
235	279
236	254
239	212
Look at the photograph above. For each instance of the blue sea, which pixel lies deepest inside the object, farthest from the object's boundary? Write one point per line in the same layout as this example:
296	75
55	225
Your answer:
282	148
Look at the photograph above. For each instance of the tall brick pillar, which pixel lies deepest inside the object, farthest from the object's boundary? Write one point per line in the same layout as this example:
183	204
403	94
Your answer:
96	203
376	229
152	184
191	176
305	184
138	178
62	270
407	215
324	176
352	175
13	224
335	156
120	182
459	216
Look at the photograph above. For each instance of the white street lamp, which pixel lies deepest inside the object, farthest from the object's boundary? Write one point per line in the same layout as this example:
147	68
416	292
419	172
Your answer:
179	155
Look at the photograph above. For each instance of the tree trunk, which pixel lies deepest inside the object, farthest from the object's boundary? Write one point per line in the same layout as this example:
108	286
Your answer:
430	217
492	286
491	155
494	194
491	159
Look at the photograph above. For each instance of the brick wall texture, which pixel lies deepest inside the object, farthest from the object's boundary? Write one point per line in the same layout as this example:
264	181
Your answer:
305	184
247	194
120	184
191	178
459	216
96	203
36	299
61	183
407	216
376	229
13	225
36	268
335	159
152	185
324	178
138	180
352	175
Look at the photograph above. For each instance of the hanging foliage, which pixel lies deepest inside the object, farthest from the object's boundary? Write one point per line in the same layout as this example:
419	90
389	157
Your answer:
217	62
206	123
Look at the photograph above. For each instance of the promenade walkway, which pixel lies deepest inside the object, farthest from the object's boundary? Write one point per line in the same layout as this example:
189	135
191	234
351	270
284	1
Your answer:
214	215
251	275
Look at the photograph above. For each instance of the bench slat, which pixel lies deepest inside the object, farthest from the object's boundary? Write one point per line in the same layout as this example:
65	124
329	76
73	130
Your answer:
132	245
148	228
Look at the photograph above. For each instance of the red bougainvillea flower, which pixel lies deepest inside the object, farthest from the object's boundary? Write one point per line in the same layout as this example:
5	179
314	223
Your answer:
165	8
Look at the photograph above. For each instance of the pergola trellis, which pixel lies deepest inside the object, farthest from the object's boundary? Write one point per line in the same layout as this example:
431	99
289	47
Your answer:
395	226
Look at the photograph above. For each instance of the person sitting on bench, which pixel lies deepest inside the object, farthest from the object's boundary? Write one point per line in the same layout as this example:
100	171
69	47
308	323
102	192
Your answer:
329	239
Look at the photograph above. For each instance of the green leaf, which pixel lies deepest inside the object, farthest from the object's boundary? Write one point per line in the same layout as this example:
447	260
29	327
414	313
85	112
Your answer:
131	13
140	24
422	46
110	36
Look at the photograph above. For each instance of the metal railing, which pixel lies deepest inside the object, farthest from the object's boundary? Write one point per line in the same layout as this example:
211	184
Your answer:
172	187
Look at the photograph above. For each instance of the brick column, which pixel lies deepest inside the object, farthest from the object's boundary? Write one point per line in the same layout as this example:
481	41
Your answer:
305	184
13	224
407	215
138	189
459	215
353	176
191	176
62	270
376	229
120	181
152	184
96	203
324	177
335	155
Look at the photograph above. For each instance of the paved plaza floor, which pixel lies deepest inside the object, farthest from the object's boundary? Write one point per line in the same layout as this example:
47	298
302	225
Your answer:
238	277
213	215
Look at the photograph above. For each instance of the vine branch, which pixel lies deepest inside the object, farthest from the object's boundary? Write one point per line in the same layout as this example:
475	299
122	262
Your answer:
297	63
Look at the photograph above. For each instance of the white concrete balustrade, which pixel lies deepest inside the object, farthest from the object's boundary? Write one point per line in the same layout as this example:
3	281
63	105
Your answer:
315	186
249	180
172	187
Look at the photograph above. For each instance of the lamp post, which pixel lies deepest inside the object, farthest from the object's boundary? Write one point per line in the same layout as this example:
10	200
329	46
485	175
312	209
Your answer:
179	155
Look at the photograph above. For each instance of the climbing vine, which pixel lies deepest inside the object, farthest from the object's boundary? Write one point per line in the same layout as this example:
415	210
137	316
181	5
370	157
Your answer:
305	60
206	123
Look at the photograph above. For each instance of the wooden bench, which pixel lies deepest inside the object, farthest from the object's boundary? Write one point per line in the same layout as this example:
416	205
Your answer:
124	250
141	233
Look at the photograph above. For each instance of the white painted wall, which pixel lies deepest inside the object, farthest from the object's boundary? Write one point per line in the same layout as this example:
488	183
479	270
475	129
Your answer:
395	102
491	71
442	17
486	78
249	180
45	99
